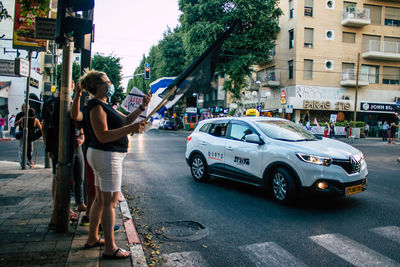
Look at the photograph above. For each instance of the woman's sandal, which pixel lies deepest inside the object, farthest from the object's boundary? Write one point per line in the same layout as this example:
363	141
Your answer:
99	243
115	256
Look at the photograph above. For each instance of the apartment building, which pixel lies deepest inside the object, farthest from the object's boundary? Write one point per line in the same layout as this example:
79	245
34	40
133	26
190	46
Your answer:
314	67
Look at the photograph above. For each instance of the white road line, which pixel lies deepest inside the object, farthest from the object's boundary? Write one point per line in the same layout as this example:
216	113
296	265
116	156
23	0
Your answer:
184	259
352	251
270	254
389	232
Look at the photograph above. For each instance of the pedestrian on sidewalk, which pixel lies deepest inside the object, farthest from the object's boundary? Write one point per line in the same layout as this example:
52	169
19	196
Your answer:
392	133
385	128
11	123
18	134
366	129
332	130
107	149
347	129
2	124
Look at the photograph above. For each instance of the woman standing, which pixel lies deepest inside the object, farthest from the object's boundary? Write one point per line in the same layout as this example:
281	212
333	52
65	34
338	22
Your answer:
108	145
33	123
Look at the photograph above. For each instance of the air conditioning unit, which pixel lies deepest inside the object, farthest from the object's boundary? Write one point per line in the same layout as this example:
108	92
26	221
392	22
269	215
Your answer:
397	99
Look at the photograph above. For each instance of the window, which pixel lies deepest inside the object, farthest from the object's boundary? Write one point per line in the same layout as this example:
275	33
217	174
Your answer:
290	69
205	128
330	4
308	69
308	37
371	43
392	16
239	131
392	45
330	34
329	64
349	7
372	72
391	75
348	71
291	9
291	38
349	37
308	8
218	129
375	13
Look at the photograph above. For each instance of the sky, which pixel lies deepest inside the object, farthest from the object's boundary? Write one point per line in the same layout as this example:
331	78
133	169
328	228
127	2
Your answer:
129	28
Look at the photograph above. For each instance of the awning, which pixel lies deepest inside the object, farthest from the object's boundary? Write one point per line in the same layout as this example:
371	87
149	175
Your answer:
4	84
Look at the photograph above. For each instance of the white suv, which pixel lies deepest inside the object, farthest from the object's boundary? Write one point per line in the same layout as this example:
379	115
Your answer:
276	154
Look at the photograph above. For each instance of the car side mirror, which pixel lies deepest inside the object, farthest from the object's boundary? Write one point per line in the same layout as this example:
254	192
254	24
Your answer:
253	138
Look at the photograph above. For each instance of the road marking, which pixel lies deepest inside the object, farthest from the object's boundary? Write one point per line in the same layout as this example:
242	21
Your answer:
390	232
270	254
184	259
352	251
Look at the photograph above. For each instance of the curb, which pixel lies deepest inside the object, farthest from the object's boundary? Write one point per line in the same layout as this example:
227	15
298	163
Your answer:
137	254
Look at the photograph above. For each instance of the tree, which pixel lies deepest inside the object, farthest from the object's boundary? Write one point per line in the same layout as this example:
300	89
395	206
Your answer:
76	72
203	20
112	67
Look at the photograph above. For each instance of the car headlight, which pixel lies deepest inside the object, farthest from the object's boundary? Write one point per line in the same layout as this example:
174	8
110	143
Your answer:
359	157
314	159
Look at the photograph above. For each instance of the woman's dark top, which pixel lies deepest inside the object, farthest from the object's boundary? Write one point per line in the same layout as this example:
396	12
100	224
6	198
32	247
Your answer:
114	121
393	129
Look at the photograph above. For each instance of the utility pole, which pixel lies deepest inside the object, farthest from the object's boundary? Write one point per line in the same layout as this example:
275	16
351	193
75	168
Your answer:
26	115
64	166
355	99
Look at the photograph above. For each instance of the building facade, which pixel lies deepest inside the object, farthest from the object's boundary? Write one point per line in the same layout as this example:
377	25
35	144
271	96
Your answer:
329	51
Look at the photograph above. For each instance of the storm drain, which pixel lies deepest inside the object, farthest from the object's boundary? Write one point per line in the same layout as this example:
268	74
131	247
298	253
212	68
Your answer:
188	231
9	176
10	201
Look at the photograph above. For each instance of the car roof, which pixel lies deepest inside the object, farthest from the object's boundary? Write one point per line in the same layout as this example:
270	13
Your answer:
247	119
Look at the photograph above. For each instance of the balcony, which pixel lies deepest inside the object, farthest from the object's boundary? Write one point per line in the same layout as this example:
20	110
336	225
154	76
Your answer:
271	79
374	50
356	17
349	77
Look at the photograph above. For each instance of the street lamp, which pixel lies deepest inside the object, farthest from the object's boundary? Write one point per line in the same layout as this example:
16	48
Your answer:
258	102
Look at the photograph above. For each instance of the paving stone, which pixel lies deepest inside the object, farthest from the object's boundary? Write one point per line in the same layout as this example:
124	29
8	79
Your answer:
63	245
40	246
79	254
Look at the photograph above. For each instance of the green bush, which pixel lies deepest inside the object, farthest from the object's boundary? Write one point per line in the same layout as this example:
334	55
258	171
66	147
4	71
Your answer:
359	124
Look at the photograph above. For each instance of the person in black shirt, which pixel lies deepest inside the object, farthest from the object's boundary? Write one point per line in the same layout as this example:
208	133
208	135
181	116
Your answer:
108	145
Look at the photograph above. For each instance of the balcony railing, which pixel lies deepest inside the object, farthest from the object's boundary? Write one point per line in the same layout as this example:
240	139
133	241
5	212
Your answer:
356	17
382	50
349	78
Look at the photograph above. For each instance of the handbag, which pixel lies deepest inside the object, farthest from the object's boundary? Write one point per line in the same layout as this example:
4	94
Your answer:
34	136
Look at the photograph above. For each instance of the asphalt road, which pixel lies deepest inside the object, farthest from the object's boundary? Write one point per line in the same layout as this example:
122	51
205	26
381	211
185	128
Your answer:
224	223
243	226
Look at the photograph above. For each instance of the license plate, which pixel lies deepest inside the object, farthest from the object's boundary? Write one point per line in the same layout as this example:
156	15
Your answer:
353	189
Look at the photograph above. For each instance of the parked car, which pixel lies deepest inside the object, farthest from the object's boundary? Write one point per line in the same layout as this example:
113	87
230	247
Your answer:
167	125
276	154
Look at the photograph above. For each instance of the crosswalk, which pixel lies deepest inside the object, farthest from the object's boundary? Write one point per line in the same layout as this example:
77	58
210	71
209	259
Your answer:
272	254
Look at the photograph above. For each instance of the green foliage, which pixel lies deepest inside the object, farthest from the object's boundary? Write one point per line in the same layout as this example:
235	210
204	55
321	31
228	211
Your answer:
3	12
359	124
203	20
76	72
110	65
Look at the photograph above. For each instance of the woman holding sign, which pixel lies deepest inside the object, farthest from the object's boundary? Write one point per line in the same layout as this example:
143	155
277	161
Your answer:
108	145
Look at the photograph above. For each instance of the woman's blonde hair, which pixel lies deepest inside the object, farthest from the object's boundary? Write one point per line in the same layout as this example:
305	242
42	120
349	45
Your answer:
90	80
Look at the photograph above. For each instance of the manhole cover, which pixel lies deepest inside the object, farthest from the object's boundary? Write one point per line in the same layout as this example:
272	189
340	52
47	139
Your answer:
180	231
9	176
10	201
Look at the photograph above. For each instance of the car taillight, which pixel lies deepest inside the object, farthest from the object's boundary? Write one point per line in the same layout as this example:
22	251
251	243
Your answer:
188	139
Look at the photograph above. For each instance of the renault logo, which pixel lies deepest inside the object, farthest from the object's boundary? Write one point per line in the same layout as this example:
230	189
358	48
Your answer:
353	162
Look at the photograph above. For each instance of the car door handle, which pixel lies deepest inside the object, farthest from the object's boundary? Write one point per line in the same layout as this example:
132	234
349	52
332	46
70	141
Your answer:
229	148
203	143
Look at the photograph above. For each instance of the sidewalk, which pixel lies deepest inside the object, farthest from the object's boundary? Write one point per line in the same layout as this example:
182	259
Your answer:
26	207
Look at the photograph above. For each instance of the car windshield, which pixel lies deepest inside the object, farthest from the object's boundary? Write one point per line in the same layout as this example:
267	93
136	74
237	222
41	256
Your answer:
285	130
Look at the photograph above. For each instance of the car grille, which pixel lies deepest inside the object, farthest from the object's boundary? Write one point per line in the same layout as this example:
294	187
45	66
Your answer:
350	165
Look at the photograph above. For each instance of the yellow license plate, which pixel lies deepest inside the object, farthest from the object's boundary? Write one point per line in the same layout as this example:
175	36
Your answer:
353	189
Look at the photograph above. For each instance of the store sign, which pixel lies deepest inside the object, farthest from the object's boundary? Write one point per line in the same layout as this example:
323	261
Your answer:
34	83
21	67
191	110
7	67
366	106
283	97
325	105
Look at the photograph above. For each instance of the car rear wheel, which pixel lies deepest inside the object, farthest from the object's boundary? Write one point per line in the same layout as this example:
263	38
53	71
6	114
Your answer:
198	167
283	186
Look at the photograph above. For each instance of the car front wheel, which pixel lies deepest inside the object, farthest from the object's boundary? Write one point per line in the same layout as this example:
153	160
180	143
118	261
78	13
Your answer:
283	186
198	167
